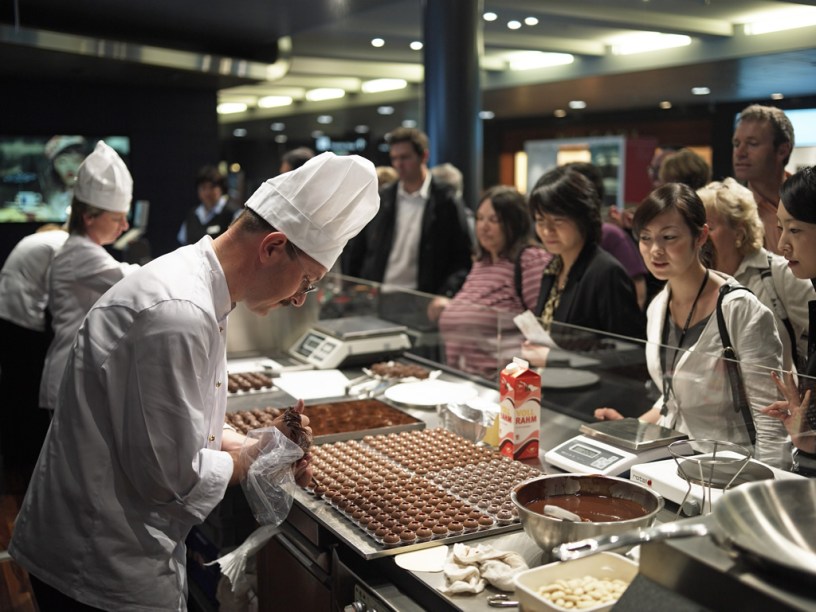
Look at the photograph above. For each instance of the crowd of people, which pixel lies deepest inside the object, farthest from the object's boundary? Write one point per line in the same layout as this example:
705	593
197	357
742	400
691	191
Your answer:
108	348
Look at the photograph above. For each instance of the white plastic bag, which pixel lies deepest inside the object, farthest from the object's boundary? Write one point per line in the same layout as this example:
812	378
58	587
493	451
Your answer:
270	484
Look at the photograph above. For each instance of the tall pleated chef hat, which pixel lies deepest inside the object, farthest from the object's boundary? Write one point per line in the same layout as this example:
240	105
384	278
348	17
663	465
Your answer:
104	181
321	205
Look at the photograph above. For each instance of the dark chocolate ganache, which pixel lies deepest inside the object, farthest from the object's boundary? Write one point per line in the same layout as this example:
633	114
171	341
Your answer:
591	507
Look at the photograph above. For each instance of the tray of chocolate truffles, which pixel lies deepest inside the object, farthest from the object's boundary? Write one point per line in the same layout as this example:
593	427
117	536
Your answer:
247	382
334	421
396	371
416	489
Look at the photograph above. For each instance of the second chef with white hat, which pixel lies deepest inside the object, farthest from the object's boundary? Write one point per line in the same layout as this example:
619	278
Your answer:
83	270
137	452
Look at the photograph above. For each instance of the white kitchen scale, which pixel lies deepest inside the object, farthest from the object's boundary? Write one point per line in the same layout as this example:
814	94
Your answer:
353	340
612	447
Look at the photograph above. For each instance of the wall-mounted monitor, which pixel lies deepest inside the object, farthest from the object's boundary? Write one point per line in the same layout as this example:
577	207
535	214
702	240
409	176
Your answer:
37	173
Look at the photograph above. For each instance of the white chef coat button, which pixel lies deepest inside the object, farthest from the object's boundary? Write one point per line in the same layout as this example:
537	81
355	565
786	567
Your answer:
218	384
221	329
211	438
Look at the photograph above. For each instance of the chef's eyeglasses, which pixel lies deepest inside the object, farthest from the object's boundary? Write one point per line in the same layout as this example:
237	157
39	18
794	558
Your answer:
307	286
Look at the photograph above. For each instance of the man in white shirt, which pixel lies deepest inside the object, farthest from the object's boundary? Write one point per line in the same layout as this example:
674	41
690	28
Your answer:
762	145
419	239
137	452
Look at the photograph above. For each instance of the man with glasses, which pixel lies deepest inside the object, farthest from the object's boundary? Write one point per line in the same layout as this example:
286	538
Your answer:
137	452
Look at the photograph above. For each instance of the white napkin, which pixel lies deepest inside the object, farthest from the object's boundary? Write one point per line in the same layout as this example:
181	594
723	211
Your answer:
469	568
233	564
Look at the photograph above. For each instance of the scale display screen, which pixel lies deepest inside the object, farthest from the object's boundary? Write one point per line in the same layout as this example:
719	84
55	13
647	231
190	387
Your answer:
592	456
591	453
310	342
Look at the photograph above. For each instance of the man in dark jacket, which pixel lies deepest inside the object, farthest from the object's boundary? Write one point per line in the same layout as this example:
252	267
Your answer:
419	239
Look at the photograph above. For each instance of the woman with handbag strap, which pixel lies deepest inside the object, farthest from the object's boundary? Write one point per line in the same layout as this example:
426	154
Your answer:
797	221
684	346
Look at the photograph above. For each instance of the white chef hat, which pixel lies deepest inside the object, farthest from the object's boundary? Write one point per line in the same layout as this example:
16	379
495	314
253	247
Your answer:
322	204
104	181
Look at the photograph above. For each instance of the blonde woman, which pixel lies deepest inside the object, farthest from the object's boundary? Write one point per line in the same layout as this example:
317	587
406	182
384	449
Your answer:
738	235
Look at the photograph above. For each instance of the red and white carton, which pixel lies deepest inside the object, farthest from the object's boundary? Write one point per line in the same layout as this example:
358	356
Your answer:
520	417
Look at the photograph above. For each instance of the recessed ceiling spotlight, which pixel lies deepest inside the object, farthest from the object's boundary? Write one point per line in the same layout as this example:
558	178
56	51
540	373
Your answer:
531	21
700	91
361	129
490	16
274	101
409	123
324	119
277	126
560	112
577	104
385	110
665	105
228	108
513	24
316	134
324	93
416	45
281	138
377	42
239	132
486	114
379	85
777	96
235	167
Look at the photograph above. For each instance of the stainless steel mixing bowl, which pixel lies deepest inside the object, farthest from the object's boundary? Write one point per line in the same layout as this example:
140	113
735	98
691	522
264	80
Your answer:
549	532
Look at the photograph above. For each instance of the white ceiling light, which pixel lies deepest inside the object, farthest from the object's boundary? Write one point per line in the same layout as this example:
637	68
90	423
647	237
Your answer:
577	104
228	108
490	16
378	85
235	167
416	45
281	138
528	60
324	119
665	105
239	132
277	126
778	21
274	101
486	114
385	110
531	21
643	42
377	42
409	123
513	24
361	129
777	96
324	93
700	91
560	112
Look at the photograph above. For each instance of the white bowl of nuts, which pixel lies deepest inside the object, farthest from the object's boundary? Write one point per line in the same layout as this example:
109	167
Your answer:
592	584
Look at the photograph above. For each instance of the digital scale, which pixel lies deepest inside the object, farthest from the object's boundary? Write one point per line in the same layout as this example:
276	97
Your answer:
350	341
612	447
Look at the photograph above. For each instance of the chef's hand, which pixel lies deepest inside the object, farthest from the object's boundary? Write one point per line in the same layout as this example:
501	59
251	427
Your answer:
302	467
791	411
607	414
535	354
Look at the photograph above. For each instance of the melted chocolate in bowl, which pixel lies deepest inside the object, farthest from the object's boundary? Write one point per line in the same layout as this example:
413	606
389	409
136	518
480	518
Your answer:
591	507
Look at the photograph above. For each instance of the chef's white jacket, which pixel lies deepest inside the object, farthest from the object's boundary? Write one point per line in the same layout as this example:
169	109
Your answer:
702	405
80	273
793	294
24	279
132	459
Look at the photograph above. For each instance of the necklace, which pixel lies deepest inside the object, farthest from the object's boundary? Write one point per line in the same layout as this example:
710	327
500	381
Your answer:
668	373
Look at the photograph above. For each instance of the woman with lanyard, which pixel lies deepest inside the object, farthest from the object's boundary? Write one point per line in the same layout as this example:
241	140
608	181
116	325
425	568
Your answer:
797	220
738	235
684	348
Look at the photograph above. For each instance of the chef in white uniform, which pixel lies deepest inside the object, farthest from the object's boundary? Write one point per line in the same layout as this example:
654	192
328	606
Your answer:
83	270
137	452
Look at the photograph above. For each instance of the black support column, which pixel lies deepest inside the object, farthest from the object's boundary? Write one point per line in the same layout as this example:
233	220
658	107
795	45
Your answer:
453	46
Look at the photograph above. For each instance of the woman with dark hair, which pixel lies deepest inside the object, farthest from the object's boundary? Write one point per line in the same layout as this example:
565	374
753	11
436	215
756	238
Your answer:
583	285
797	242
504	279
684	346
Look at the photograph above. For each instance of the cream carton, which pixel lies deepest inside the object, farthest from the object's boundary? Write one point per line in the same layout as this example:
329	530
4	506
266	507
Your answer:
519	420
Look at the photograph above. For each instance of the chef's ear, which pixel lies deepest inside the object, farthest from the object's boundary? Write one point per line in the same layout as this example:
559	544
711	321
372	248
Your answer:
273	243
